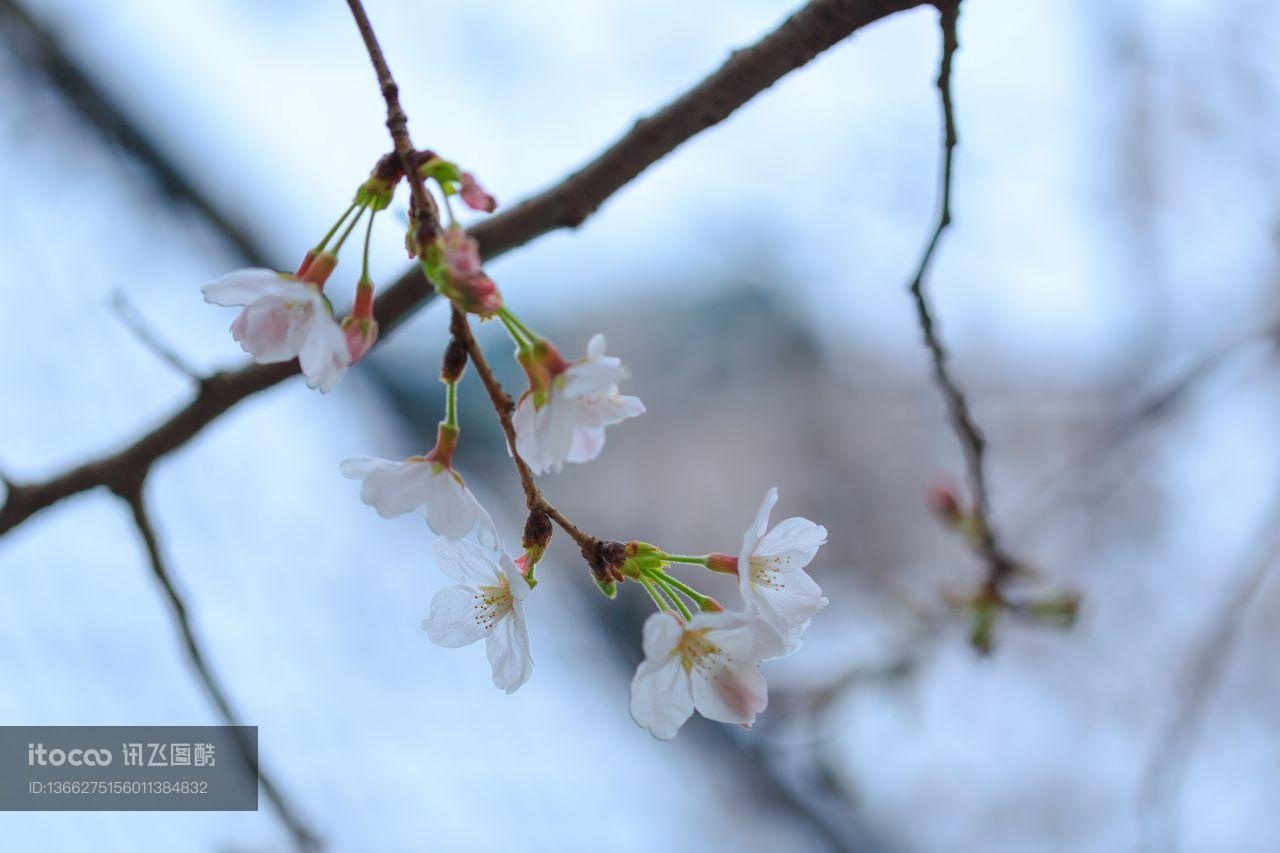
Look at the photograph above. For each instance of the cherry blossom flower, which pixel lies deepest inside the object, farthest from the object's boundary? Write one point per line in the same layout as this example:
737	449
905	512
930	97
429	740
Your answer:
567	424
488	602
285	318
454	269
474	196
711	663
771	572
427	484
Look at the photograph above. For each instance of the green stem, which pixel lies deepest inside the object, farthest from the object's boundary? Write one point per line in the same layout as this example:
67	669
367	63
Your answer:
509	316
675	598
514	329
368	234
334	230
451	404
685	558
694	596
337	247
657	599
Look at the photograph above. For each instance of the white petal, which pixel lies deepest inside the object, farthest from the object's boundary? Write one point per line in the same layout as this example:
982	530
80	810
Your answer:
324	355
450	507
595	346
599	411
598	377
731	694
456	618
742	637
467	562
586	444
526	441
392	488
660	697
240	287
797	538
508	651
553	430
662	633
750	540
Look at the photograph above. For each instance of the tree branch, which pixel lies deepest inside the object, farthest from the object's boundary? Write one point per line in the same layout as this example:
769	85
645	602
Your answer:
502	404
963	424
747	72
131	494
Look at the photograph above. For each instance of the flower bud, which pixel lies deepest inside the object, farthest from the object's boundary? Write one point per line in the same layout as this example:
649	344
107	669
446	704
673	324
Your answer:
474	195
454	362
722	563
536	538
941	500
360	334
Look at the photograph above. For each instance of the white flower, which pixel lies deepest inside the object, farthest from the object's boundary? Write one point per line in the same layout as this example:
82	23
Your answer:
711	664
284	318
771	572
581	402
487	602
435	489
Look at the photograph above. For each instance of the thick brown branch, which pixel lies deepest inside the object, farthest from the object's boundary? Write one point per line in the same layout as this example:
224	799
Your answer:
131	494
811	30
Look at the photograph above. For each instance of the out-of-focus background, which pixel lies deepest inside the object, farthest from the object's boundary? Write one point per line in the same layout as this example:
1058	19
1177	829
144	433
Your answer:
1108	292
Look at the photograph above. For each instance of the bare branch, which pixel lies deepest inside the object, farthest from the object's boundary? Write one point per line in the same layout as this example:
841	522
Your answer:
747	72
131	494
134	321
963	424
1168	760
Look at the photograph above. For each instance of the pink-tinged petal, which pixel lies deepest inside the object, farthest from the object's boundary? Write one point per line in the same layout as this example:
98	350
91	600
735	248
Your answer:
272	328
733	694
508	651
461	253
467	562
474	195
516	581
241	287
457	617
324	356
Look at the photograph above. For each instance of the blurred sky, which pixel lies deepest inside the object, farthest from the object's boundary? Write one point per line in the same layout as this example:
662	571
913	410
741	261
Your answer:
1116	217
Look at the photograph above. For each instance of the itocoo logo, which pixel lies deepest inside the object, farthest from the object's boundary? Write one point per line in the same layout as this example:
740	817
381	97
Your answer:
37	755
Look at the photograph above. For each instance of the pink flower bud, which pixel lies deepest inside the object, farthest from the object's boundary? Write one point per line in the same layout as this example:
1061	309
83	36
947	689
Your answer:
360	335
461	253
723	563
941	500
476	295
474	195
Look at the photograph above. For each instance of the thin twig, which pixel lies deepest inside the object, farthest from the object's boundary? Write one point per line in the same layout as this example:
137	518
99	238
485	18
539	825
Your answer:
963	424
397	121
504	407
133	320
303	836
1168	759
814	28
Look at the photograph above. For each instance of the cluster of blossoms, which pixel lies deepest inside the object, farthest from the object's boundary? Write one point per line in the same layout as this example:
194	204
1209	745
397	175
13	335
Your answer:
697	654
